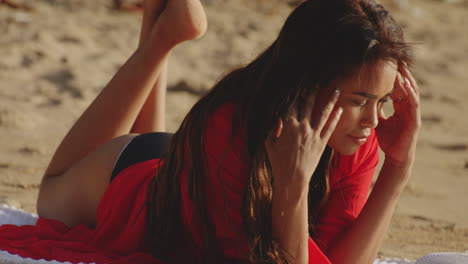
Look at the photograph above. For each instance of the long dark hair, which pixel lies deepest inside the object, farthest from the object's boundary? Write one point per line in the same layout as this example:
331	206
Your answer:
320	41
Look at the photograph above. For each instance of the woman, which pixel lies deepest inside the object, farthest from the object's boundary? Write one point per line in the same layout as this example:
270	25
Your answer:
273	165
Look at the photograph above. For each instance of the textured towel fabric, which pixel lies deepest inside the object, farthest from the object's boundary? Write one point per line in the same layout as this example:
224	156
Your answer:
393	261
7	258
11	216
444	258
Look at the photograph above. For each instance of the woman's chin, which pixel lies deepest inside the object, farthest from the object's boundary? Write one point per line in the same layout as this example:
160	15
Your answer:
345	149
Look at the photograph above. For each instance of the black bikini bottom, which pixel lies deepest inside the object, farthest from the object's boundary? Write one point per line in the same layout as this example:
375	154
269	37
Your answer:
142	148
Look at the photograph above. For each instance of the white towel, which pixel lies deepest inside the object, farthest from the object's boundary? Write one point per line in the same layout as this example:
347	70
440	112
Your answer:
393	261
7	258
13	216
444	258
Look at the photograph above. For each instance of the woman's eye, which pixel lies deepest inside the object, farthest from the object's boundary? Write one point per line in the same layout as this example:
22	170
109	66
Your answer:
383	100
365	102
360	103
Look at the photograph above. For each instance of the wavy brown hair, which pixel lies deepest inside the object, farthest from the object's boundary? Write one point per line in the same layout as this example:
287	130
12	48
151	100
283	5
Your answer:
321	40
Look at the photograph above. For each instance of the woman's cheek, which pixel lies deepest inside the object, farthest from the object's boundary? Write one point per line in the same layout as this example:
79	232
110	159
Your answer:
342	123
340	128
349	119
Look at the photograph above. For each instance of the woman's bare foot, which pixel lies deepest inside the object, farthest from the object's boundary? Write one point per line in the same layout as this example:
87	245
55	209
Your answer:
153	9
180	20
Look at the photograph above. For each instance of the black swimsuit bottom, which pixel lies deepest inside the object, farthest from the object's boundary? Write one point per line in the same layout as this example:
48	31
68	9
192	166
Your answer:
142	148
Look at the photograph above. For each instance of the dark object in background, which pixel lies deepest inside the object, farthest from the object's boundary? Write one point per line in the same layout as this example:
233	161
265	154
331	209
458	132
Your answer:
13	4
133	6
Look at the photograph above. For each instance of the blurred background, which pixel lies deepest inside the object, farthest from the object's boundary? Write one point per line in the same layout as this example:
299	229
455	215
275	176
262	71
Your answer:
56	55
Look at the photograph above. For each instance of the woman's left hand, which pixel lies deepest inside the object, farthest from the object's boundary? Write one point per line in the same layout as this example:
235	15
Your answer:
398	134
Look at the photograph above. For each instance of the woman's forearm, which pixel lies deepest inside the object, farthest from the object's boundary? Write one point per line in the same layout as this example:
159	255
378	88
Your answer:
289	217
361	242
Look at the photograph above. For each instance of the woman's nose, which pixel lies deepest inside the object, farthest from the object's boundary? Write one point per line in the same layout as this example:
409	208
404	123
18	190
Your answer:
370	117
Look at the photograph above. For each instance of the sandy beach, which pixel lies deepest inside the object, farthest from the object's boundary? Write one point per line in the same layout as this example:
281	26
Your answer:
57	55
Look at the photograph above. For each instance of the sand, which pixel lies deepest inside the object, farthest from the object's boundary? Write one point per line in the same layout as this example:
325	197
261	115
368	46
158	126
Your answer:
57	56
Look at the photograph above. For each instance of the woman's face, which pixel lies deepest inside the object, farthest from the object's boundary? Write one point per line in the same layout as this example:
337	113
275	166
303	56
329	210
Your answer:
362	97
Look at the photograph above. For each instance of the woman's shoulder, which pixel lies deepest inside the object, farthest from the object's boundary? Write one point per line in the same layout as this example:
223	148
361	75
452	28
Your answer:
224	123
225	139
224	112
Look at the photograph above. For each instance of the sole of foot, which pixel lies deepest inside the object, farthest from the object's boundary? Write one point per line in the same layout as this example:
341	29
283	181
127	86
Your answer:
181	20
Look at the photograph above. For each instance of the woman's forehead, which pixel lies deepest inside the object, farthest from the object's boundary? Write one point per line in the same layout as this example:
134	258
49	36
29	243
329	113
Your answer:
377	78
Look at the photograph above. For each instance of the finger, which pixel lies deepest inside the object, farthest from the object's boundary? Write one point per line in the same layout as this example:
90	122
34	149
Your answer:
413	97
324	117
408	75
293	114
278	129
399	94
411	86
398	89
275	132
382	115
309	106
335	117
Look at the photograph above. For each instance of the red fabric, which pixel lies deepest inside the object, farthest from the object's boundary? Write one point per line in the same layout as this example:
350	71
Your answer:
350	182
227	178
119	236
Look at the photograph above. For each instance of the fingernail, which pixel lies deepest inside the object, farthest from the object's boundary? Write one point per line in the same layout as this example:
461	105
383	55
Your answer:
407	82
339	111
336	94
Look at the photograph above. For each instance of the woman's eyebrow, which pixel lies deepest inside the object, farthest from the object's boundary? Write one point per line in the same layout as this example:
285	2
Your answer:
370	96
366	95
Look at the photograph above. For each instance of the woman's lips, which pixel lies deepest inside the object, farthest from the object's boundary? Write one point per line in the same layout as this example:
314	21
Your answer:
358	140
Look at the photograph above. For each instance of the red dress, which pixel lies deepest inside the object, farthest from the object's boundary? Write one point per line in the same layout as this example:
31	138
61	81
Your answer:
119	236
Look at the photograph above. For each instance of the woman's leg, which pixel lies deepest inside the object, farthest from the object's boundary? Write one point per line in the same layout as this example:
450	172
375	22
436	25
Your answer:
152	115
115	109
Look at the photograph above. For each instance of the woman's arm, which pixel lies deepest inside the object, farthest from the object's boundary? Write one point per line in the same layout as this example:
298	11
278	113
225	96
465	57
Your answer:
361	242
289	221
294	149
397	137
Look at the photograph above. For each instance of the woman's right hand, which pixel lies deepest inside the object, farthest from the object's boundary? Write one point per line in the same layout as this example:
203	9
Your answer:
294	147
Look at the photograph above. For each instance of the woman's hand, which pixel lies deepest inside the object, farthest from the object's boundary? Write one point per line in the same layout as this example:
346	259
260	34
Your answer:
398	134
295	146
